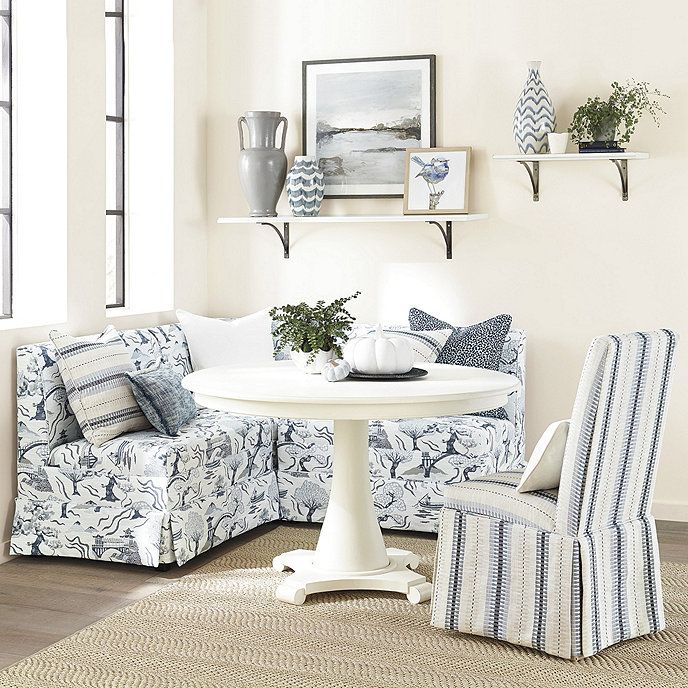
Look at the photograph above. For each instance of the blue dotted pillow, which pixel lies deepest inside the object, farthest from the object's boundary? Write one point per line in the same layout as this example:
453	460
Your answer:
478	346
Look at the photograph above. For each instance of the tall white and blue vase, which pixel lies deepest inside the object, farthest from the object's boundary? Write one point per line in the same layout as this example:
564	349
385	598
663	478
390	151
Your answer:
534	117
305	186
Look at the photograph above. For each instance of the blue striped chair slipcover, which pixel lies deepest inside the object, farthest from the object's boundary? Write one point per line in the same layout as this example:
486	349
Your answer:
572	571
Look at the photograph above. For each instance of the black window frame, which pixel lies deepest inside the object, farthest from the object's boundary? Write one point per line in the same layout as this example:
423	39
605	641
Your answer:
118	120
6	155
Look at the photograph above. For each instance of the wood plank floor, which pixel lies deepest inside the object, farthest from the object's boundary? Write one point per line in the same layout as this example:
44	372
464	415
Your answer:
45	599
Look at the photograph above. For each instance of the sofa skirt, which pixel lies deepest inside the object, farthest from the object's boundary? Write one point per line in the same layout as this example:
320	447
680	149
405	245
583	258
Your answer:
137	533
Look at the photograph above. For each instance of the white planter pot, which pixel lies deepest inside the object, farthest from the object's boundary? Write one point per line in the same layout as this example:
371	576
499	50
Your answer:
316	365
557	143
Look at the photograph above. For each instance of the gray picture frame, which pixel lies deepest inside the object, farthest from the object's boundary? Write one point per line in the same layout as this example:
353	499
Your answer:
428	129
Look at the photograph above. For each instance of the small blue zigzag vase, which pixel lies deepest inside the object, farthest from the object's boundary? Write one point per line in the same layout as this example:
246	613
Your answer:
534	116
305	187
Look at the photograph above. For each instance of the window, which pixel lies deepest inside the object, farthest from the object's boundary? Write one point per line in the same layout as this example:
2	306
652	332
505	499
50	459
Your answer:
6	158
114	123
39	162
150	156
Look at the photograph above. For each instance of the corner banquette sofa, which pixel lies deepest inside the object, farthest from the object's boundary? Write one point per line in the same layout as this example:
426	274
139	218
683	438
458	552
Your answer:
149	499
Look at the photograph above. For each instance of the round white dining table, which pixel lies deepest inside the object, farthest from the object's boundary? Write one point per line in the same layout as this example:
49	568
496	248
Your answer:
350	554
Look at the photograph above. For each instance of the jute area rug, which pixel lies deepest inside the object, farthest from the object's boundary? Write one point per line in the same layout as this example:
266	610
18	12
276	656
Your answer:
221	626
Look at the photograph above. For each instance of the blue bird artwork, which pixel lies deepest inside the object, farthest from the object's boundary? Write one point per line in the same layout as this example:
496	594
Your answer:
433	173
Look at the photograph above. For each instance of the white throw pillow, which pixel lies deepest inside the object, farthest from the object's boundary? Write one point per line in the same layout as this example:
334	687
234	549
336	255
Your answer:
242	342
543	471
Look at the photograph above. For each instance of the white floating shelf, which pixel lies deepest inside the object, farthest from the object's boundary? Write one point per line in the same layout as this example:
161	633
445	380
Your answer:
574	156
442	222
532	165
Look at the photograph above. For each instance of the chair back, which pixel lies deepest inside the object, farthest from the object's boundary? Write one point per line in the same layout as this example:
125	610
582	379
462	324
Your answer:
616	431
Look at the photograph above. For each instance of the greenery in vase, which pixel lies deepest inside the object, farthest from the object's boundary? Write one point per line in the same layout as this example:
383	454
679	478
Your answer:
310	329
620	113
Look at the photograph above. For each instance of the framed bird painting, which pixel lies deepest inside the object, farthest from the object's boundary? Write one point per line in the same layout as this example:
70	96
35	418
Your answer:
437	181
360	116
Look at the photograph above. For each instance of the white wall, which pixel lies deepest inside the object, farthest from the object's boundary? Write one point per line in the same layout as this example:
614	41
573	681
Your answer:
85	163
575	265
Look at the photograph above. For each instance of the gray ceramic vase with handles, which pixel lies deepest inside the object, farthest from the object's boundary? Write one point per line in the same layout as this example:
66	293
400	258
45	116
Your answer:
262	165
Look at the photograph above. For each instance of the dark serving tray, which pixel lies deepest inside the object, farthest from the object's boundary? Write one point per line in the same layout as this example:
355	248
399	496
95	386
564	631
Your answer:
411	375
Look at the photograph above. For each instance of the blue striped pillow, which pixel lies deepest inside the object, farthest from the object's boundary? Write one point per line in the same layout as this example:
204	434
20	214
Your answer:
94	371
165	402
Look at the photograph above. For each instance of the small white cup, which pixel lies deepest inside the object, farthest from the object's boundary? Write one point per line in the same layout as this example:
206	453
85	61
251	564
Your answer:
557	143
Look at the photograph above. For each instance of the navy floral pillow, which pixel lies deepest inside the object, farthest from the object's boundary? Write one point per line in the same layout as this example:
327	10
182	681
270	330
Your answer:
478	346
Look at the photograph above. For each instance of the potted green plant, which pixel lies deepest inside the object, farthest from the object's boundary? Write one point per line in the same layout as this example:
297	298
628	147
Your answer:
604	124
314	333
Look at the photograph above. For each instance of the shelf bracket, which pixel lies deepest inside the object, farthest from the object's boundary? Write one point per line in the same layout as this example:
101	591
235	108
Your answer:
534	174
446	234
622	166
283	235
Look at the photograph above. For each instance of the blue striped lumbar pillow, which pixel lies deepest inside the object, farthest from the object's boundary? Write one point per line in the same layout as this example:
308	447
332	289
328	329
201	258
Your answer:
162	398
94	371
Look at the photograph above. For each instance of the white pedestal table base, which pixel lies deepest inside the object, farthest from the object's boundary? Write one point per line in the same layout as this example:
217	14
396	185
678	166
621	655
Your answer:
308	579
351	553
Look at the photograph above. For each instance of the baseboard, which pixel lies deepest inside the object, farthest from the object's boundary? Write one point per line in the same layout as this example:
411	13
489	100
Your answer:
670	511
5	552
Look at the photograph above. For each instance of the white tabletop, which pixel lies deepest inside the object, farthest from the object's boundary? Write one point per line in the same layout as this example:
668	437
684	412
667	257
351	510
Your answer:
282	390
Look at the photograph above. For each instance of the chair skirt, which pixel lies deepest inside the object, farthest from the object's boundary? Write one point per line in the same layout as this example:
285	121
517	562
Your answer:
565	596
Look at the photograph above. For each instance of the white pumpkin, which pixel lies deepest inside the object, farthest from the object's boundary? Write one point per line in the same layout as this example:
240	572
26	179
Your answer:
336	370
379	354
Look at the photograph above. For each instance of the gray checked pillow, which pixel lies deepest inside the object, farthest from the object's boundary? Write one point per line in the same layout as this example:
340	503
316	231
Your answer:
166	404
478	346
94	371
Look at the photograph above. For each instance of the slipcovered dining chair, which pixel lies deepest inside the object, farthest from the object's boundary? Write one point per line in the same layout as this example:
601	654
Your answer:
574	570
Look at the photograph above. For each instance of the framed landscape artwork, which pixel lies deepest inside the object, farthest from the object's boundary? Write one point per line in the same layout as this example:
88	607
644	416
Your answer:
361	115
436	181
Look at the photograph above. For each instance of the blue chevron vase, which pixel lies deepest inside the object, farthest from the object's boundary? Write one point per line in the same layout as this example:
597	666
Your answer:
305	187
534	116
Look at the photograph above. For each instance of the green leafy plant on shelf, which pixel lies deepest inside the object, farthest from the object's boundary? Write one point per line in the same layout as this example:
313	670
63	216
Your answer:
604	120
310	329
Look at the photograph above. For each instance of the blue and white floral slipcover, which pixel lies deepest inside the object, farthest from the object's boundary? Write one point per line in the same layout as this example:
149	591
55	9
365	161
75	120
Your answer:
410	460
143	498
147	498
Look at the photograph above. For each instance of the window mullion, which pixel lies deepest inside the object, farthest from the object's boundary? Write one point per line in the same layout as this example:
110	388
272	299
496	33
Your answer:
115	212
6	278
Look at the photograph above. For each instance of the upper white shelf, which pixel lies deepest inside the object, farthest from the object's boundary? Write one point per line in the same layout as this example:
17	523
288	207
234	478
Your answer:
574	156
532	165
442	222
